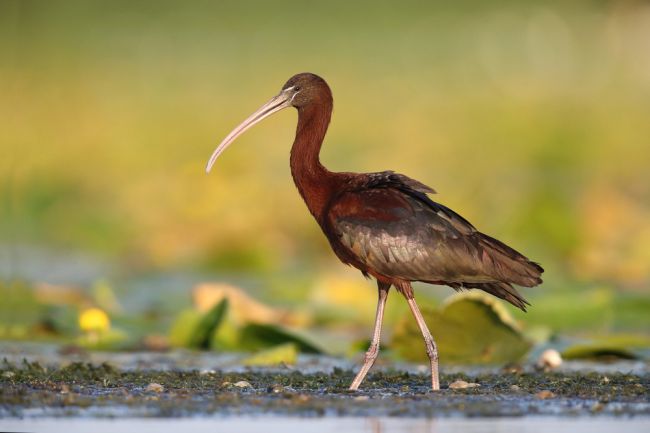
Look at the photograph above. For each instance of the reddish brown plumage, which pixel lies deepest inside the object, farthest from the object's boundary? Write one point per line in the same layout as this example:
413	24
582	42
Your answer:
409	237
384	223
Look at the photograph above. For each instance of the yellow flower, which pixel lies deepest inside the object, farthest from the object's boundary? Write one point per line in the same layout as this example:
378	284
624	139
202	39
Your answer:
94	320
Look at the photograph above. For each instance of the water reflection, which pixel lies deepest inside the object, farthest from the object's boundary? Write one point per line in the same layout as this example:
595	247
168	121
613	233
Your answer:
323	425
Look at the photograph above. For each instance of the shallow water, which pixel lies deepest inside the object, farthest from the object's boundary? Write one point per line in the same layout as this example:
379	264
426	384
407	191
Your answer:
323	425
38	383
49	354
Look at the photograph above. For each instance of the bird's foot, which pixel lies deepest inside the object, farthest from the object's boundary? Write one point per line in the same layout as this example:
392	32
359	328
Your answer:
435	384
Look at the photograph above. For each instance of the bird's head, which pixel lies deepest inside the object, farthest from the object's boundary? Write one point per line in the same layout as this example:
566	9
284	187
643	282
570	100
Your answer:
301	90
305	89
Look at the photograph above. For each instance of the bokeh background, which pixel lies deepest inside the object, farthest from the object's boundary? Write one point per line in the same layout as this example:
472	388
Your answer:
531	119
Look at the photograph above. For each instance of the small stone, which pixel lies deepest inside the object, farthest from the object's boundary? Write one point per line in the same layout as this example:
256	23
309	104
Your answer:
154	387
243	384
513	368
8	374
514	388
65	389
605	379
461	384
275	389
544	394
597	407
550	359
226	384
361	398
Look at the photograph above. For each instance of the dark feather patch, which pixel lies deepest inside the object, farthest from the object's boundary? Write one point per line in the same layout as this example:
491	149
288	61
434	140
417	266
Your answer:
386	225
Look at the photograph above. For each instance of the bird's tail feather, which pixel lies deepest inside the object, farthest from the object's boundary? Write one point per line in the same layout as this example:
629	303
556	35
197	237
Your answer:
510	266
504	291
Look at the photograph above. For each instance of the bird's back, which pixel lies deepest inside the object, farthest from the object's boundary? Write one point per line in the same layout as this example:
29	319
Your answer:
386	225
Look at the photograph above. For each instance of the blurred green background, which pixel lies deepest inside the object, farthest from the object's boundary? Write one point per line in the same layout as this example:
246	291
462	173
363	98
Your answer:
530	119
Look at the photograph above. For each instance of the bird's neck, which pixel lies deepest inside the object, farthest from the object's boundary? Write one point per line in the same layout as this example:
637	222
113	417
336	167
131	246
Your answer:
312	179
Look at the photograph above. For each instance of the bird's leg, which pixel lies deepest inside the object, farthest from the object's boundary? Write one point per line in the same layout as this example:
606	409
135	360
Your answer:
373	350
432	349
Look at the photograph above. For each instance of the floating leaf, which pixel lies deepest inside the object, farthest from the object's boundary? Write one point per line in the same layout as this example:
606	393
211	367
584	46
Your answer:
227	336
286	353
105	297
243	308
257	335
209	323
111	339
611	347
183	328
51	294
630	341
598	352
472	329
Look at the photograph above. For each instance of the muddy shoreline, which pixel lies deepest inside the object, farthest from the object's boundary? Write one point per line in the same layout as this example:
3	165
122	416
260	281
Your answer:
80	389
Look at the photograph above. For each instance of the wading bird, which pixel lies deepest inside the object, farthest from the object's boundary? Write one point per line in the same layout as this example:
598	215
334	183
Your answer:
385	225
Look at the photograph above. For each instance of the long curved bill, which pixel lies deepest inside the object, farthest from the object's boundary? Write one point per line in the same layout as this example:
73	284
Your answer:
283	100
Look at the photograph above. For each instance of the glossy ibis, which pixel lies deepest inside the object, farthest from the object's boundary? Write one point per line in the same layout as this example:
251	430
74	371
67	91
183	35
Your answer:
385	225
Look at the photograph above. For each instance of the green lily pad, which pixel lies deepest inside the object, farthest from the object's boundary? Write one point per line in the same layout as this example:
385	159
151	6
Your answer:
208	325
111	339
183	327
598	352
627	341
226	338
470	329
257	336
286	353
610	347
195	330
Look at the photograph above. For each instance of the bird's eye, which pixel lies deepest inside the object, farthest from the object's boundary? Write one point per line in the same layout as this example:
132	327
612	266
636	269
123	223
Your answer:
296	88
